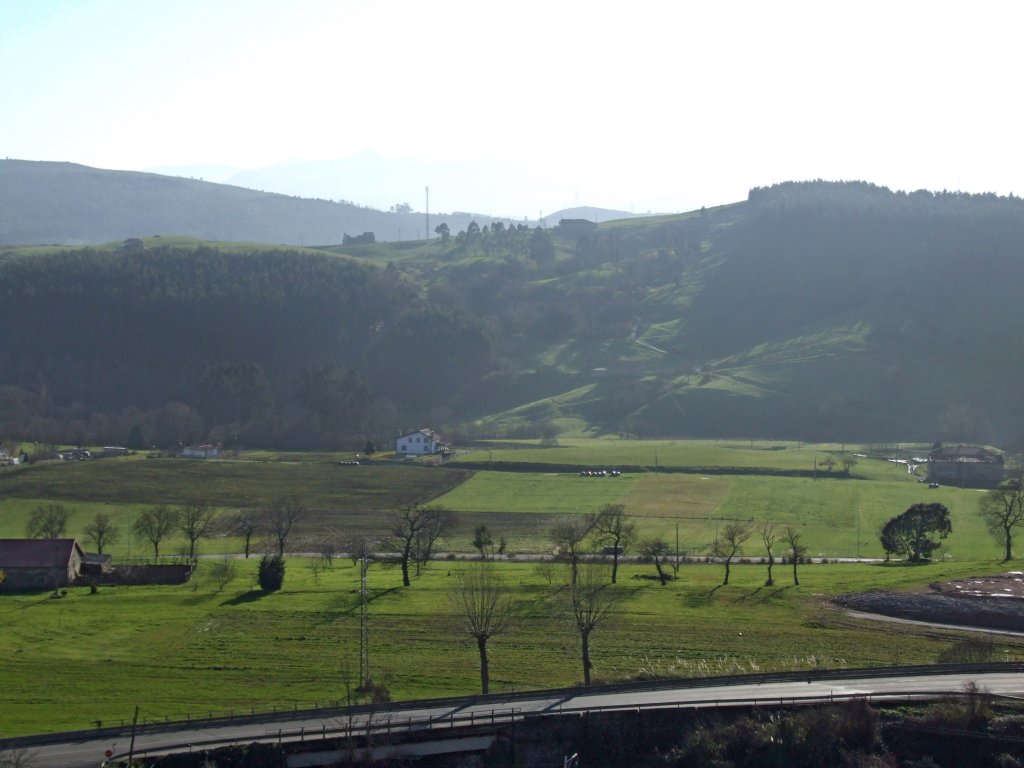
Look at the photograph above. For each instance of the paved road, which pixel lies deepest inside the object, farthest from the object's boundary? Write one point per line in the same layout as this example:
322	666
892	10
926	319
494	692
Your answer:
90	752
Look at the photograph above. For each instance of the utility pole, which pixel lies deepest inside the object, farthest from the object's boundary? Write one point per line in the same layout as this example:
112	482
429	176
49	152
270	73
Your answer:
858	534
427	190
131	746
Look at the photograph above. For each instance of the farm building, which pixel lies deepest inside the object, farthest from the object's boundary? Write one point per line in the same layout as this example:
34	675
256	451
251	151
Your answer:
965	467
422	442
201	451
39	563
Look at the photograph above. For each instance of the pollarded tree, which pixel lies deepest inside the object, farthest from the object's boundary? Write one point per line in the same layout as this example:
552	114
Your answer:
590	600
917	532
480	607
612	529
1003	510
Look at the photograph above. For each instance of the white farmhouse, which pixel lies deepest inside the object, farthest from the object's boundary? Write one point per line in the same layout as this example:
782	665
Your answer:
422	442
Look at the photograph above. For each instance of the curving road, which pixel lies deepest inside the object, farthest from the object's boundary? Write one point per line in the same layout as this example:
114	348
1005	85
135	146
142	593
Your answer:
74	751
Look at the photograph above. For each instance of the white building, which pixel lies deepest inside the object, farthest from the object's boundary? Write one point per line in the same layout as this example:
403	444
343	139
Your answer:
422	442
201	451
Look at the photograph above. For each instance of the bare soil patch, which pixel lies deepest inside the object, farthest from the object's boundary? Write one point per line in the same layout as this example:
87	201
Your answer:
986	602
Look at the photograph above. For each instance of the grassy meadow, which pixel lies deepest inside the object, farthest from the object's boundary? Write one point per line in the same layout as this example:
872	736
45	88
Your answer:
201	647
192	649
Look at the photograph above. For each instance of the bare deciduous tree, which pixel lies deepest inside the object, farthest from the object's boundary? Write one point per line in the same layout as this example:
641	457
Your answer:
156	524
101	531
412	533
659	551
1002	509
768	538
613	530
49	522
567	537
730	544
246	522
791	537
590	600
222	571
195	520
281	517
17	757
480	606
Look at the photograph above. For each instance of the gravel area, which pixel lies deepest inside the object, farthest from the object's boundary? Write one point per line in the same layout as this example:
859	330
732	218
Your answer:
986	602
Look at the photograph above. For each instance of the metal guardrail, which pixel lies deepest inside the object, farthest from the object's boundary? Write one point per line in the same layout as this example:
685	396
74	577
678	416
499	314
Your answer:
476	700
388	727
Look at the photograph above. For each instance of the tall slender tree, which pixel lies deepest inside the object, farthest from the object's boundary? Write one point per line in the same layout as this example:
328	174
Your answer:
480	606
768	538
590	598
614	530
791	537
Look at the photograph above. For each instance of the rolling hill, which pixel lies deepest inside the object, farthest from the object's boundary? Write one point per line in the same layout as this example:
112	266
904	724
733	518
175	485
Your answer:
68	204
815	310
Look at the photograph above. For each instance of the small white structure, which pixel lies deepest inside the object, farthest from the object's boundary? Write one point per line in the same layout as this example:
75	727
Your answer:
201	451
422	442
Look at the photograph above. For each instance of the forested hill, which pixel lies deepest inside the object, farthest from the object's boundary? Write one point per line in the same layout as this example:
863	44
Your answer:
68	204
839	311
178	344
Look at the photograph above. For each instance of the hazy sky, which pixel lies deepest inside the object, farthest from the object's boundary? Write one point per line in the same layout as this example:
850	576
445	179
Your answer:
640	105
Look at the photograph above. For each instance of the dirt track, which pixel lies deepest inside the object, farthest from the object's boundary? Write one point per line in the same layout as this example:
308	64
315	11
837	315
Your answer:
988	602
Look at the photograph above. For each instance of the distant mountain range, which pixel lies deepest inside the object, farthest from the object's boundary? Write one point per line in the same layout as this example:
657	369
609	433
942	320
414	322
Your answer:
491	188
69	204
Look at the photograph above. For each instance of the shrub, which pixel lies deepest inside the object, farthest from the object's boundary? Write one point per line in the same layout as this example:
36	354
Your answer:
271	573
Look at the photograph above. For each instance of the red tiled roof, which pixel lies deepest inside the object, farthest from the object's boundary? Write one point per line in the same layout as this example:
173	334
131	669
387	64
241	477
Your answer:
37	553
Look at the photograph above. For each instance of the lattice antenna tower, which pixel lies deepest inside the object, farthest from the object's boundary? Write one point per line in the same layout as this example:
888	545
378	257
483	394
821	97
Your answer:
364	615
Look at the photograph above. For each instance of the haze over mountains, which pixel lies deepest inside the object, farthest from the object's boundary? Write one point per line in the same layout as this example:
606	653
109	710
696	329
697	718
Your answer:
493	188
836	311
69	204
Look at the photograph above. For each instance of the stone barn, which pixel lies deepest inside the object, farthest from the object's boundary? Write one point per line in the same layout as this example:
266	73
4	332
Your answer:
39	563
965	466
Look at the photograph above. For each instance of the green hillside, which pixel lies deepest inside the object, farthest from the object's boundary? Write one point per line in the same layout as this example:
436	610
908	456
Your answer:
817	311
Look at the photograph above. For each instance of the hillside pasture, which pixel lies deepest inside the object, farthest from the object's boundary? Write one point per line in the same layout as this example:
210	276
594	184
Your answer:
341	500
194	649
199	648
